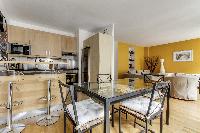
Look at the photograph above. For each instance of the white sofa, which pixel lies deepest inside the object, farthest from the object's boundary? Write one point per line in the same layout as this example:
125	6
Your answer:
184	86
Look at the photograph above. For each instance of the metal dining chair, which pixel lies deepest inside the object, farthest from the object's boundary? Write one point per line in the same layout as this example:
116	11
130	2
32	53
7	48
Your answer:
146	109
84	115
104	78
103	81
150	78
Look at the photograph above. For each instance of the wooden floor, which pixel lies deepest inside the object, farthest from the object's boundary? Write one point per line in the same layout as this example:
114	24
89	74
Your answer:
184	118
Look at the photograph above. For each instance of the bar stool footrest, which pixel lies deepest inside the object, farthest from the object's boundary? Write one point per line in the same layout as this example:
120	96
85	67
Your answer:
15	128
14	104
48	120
46	99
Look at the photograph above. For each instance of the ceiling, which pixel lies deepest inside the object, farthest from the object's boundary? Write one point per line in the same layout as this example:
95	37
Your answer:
142	22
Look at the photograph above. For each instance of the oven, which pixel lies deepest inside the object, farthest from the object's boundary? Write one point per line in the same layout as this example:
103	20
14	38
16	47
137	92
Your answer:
71	77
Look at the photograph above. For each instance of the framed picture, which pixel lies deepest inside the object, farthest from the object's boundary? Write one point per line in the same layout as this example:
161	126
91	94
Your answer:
181	56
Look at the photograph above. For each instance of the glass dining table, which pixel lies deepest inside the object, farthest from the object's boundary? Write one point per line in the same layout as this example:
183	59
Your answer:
116	92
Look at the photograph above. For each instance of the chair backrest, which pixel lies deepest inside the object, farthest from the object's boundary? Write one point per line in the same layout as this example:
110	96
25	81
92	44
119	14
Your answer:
146	72
104	78
149	78
69	93
161	88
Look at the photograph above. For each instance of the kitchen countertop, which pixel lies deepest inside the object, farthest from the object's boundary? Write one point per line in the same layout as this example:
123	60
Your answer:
34	72
30	62
24	78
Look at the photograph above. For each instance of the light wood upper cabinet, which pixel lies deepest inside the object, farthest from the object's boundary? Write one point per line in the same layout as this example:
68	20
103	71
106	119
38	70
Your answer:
42	43
46	44
68	44
55	45
72	44
18	35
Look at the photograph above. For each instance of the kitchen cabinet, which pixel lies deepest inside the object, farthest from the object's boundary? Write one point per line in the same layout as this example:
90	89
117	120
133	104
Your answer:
18	35
42	43
55	45
46	44
100	55
68	44
30	88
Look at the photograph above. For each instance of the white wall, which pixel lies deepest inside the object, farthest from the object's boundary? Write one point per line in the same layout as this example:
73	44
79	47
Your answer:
81	36
39	27
115	60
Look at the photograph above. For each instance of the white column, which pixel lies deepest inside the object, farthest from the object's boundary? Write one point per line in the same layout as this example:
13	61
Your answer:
115	61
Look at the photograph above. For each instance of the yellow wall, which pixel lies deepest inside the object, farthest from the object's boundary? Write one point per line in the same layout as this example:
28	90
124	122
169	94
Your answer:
166	52
123	57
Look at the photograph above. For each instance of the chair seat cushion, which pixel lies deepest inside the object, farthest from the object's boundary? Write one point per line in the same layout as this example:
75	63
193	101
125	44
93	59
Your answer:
139	106
89	113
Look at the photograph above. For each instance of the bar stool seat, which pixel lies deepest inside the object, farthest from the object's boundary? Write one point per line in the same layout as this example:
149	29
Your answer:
89	113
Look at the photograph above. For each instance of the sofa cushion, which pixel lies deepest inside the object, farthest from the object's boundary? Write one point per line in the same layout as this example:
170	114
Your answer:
184	87
192	88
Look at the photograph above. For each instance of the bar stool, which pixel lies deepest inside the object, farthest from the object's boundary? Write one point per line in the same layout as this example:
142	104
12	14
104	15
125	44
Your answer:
50	118
14	128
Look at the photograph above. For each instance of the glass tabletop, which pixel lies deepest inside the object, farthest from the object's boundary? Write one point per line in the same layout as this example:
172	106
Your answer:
117	87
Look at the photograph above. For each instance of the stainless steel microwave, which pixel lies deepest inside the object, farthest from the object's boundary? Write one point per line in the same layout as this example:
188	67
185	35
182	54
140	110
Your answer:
15	48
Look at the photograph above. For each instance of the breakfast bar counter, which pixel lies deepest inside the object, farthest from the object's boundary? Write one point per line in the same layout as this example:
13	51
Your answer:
29	91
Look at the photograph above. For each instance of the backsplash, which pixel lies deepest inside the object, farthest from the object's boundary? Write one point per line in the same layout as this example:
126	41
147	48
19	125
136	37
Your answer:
71	60
39	67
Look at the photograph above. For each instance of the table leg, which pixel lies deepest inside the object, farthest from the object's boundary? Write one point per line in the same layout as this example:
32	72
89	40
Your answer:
106	117
65	123
167	111
113	115
75	95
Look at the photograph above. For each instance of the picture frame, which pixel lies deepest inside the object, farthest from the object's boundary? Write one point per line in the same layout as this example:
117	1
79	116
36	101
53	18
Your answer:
183	56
